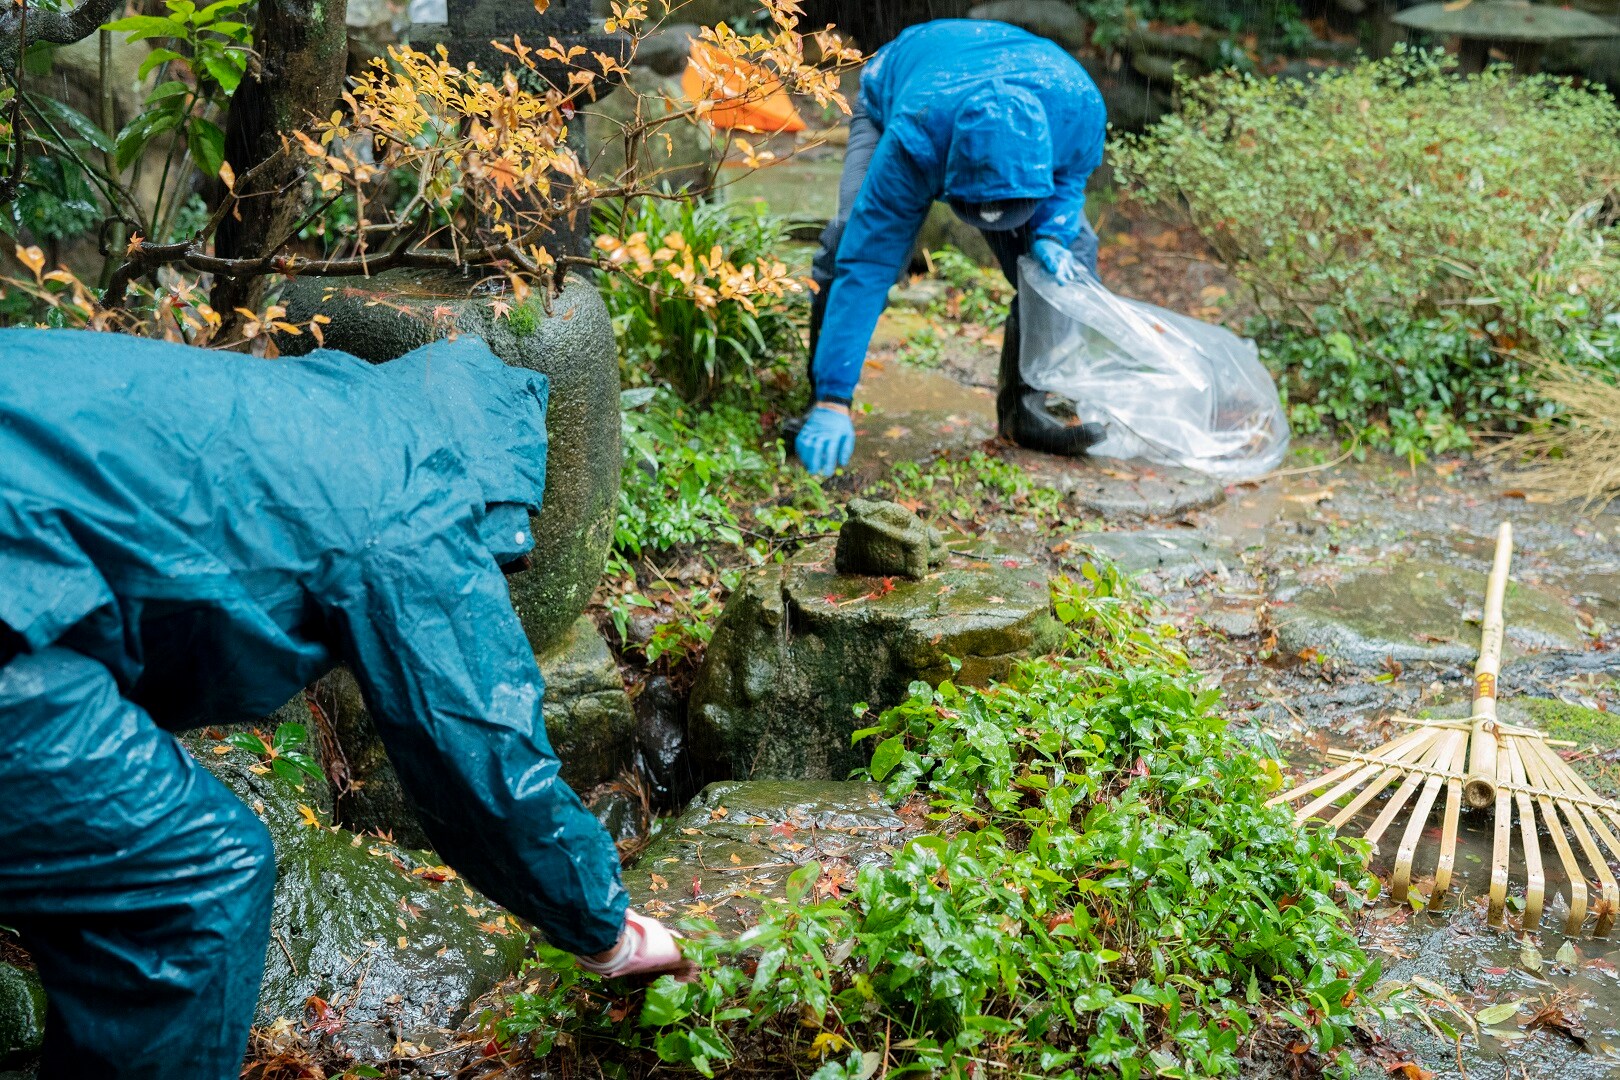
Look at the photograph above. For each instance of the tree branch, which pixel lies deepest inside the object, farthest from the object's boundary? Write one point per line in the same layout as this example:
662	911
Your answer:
53	27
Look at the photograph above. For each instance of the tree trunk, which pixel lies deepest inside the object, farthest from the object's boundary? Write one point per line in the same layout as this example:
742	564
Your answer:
304	46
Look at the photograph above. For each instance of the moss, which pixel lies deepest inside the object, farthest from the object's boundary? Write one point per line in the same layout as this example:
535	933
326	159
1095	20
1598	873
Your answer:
525	319
1585	728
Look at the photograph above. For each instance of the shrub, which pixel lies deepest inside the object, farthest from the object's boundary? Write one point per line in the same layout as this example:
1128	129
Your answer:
1107	895
684	312
1408	234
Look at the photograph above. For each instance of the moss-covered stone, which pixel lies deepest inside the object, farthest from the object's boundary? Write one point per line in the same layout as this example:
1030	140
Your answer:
770	828
393	941
885	539
381	318
1586	728
22	1015
588	714
588	719
798	645
1415	610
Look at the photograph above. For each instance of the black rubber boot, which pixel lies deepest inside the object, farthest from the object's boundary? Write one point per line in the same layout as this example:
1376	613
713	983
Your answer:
1021	410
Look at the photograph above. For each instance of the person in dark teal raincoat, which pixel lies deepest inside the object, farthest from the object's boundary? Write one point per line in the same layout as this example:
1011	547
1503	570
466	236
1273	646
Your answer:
189	537
1005	127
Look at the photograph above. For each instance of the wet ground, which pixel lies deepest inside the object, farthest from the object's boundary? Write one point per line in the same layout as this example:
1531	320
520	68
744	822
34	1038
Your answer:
1328	601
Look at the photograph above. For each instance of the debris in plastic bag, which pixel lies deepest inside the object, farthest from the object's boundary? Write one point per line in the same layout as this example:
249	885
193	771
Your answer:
1168	388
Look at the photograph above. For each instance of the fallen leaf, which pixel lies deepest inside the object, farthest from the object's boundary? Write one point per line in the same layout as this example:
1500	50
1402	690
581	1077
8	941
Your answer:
307	816
1499	1013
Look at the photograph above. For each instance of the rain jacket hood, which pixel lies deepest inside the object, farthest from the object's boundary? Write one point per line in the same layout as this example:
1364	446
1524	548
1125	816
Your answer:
495	416
1001	147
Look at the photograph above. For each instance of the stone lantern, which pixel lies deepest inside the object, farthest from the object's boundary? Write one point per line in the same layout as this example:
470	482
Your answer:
1519	29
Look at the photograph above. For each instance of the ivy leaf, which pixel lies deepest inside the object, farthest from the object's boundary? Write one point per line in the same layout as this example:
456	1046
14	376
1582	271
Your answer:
207	143
665	1003
154	58
246	740
889	753
226	70
141	27
132	140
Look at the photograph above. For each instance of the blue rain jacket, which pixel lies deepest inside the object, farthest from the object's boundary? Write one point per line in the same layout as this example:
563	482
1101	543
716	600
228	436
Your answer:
219	530
970	110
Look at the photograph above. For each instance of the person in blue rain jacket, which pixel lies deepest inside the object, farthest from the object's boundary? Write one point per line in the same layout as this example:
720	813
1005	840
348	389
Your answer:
189	537
1005	127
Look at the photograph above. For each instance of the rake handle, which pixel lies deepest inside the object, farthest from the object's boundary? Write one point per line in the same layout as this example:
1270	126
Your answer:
1479	789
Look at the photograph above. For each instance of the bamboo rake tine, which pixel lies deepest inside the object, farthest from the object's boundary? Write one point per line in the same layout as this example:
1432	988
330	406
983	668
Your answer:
1418	751
1440	757
1535	886
1555	829
1315	785
1502	841
1389	749
1448	829
1402	881
1365	772
1556	775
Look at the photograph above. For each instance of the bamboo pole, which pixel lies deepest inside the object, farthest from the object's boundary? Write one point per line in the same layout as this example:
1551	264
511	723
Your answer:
1480	787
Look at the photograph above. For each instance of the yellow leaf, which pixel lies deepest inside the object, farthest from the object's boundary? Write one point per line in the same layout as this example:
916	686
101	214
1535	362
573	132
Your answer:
307	816
222	748
402	942
828	1042
227	176
31	257
541	5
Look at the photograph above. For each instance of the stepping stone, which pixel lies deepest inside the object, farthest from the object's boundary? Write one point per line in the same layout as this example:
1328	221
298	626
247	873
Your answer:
1414	611
1174	554
1123	489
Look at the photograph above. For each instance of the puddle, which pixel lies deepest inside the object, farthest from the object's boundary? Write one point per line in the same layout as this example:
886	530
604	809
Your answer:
913	413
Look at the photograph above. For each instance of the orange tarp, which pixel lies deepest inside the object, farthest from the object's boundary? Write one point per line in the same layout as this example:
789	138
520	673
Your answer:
745	96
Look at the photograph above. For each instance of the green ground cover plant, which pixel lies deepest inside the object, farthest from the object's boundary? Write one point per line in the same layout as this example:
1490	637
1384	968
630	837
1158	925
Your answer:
1411	237
1106	894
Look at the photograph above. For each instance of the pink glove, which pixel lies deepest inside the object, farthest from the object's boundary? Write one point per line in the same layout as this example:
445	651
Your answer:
645	947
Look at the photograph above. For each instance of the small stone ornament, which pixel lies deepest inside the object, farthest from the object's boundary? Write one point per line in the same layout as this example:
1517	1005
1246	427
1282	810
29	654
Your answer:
884	539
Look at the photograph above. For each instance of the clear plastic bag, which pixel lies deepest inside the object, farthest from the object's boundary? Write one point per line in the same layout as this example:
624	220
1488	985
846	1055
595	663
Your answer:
1169	389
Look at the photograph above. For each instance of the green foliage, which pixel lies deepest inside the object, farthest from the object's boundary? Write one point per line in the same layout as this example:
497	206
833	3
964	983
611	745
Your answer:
665	334
284	753
208	44
977	295
680	466
965	488
1106	894
1409	235
56	202
1277	26
922	349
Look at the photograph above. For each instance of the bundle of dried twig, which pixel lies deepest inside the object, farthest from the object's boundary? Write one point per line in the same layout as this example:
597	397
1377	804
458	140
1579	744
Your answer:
1576	456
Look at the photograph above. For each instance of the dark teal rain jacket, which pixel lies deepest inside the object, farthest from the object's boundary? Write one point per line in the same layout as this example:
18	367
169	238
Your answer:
219	530
971	111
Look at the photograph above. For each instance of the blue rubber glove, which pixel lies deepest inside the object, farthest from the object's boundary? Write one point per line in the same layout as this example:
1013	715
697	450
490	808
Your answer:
826	441
1058	260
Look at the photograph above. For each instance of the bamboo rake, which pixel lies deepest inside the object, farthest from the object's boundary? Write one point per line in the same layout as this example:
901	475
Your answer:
1482	763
